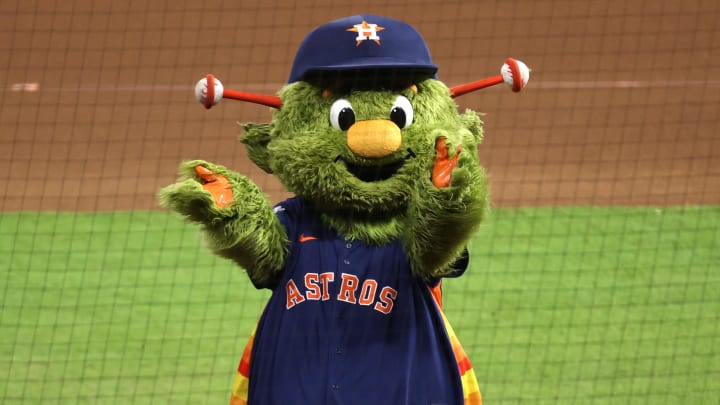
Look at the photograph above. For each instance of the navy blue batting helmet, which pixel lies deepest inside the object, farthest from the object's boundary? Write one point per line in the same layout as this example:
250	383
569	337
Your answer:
362	42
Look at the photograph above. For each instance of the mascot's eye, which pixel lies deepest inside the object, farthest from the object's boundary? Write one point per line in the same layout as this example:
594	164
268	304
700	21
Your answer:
342	115
402	112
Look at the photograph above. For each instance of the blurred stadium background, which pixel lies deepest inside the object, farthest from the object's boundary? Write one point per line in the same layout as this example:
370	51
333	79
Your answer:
596	279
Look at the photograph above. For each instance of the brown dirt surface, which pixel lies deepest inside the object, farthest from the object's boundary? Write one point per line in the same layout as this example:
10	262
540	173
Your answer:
622	107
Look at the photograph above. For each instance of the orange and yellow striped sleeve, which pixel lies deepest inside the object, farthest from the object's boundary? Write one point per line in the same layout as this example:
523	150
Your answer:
471	389
242	379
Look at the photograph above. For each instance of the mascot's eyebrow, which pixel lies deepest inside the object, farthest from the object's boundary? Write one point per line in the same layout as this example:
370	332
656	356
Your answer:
332	88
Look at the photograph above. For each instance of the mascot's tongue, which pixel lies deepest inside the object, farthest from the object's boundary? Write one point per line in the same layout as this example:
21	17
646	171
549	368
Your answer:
444	165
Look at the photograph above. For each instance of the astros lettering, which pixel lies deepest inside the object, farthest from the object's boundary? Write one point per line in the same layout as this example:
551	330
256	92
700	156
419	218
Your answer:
316	288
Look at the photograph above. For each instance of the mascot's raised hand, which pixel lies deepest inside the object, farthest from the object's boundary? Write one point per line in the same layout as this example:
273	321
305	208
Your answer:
236	216
449	191
205	192
388	192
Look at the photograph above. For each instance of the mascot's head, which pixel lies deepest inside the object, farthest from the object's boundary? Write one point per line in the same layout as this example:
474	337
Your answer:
360	124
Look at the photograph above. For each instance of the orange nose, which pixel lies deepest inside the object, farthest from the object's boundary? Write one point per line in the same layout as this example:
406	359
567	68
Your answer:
374	138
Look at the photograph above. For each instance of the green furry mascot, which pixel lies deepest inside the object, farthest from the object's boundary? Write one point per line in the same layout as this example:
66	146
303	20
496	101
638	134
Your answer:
388	191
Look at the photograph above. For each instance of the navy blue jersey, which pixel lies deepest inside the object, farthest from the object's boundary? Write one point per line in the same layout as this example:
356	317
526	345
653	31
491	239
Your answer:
347	323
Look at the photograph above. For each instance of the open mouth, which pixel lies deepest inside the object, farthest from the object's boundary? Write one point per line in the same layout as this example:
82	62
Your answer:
374	173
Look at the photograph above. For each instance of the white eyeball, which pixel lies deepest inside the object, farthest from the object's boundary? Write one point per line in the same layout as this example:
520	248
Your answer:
402	112
342	115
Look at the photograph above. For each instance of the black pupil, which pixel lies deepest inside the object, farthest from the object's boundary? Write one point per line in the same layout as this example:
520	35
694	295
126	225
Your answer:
397	115
346	118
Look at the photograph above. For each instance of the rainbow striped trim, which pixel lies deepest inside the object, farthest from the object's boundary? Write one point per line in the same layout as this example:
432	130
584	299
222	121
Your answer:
242	379
471	389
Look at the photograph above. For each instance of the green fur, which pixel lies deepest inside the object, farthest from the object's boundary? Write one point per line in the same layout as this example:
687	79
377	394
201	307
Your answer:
256	139
309	157
247	232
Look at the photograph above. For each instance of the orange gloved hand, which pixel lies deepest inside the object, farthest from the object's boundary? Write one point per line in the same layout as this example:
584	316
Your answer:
217	184
444	165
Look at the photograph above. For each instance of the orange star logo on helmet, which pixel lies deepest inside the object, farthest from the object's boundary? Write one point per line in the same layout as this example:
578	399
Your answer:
366	31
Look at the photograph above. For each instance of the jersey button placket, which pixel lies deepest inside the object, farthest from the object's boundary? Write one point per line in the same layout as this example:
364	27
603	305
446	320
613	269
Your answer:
339	350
